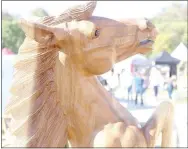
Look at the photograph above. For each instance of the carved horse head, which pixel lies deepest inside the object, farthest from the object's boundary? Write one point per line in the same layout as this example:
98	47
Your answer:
95	43
47	90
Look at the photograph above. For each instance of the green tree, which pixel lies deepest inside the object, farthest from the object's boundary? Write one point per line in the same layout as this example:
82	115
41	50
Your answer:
7	16
39	12
172	26
12	35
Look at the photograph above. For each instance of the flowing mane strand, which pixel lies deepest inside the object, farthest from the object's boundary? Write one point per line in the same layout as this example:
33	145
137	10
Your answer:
35	106
38	118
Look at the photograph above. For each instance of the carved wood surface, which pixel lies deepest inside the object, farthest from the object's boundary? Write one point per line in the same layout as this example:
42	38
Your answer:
57	98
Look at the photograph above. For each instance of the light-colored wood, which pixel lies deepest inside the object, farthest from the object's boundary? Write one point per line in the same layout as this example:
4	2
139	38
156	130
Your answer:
57	98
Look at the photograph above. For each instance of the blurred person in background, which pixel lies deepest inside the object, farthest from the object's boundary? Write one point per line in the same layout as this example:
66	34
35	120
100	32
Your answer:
171	85
146	82
155	79
139	84
102	81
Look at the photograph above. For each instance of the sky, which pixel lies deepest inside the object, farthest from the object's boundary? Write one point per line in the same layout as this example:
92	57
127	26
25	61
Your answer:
111	9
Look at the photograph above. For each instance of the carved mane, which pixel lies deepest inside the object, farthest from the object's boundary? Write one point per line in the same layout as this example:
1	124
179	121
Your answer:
34	89
35	92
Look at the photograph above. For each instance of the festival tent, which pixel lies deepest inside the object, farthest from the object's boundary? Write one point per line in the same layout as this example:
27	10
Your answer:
136	60
180	52
164	58
140	60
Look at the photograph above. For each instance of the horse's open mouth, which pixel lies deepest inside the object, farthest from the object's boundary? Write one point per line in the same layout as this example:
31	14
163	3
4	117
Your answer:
145	42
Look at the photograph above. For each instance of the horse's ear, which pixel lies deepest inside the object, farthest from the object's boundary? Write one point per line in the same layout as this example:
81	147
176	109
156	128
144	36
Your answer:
35	30
42	33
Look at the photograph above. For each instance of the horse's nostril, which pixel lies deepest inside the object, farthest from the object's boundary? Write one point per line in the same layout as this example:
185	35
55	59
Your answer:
97	32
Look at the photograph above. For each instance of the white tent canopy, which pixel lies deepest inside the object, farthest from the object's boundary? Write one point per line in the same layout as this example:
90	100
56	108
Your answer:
138	59
180	52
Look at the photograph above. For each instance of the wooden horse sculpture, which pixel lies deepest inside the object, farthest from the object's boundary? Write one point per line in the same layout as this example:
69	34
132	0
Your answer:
56	96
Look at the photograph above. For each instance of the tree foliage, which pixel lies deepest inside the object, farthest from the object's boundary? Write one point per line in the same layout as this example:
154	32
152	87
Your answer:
7	16
172	26
39	12
12	34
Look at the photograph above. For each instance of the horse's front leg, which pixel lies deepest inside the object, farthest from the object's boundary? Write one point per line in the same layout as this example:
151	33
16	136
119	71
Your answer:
161	121
119	135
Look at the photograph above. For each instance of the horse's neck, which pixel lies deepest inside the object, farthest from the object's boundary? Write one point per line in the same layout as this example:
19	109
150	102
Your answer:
86	103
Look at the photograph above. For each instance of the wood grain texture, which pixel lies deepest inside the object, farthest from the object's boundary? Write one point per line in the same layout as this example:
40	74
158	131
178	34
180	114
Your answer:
56	96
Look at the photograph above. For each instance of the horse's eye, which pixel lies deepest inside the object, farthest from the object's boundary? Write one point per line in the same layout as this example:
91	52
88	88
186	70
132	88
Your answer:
97	32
